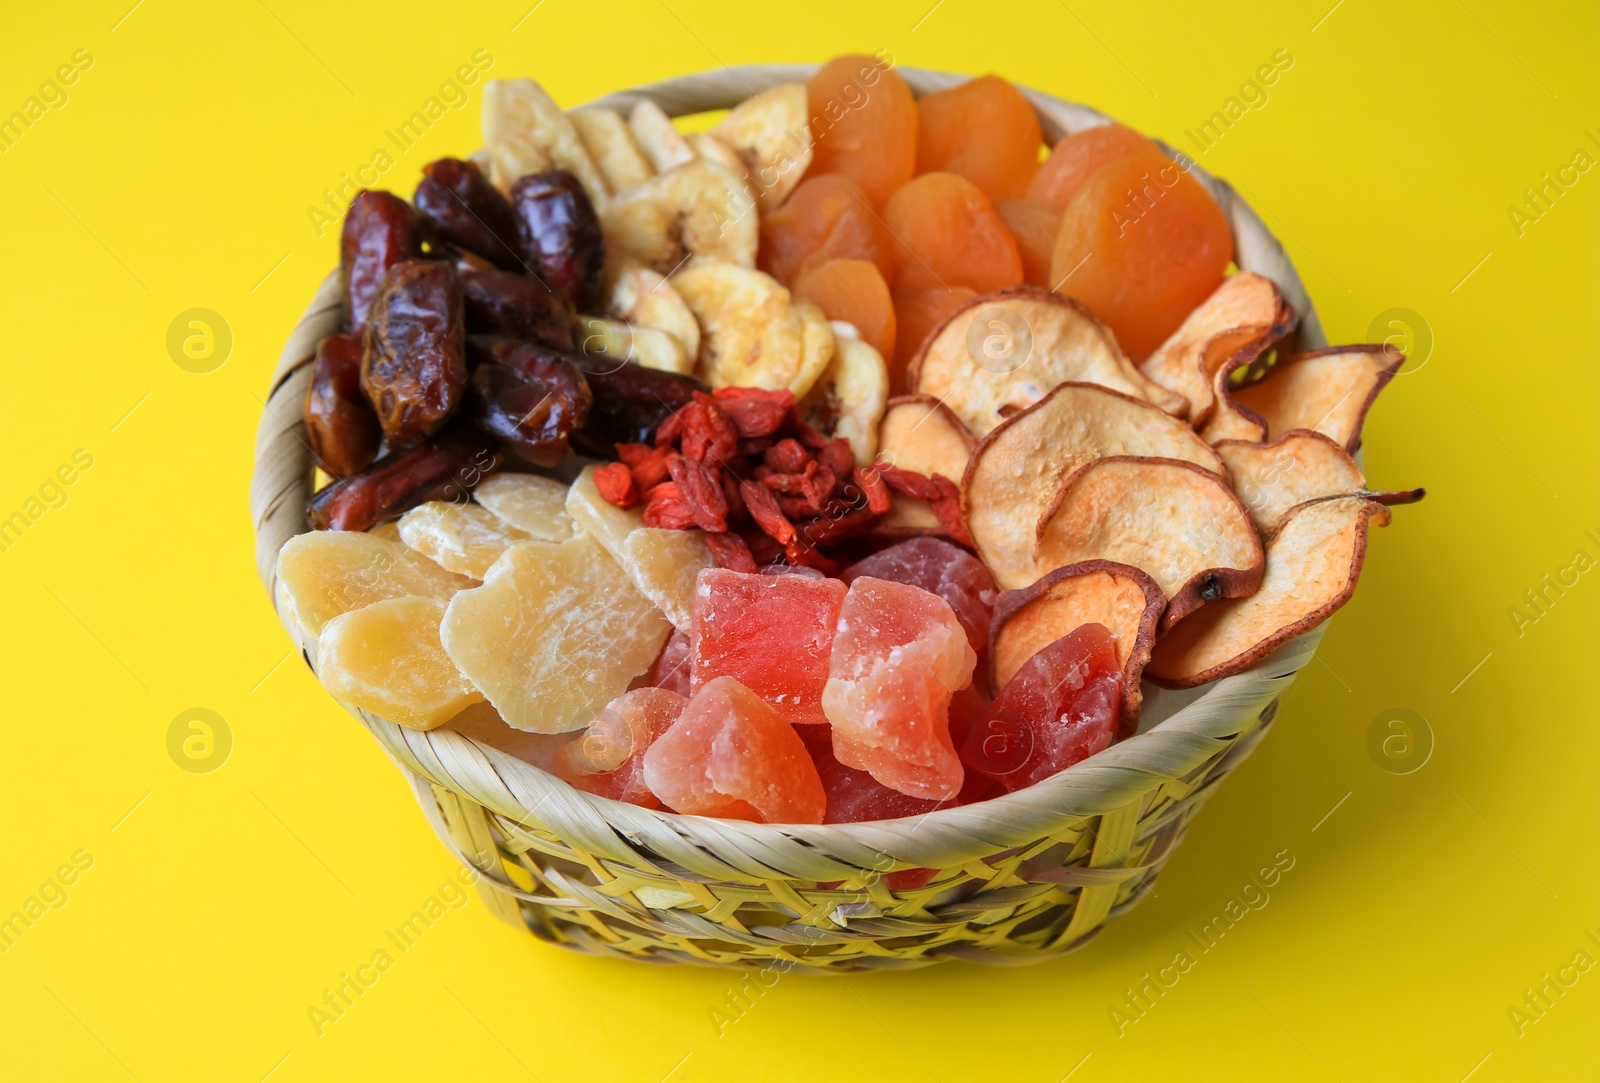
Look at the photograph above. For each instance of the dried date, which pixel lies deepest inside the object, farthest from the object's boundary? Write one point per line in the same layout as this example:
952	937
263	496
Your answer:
413	364
343	431
380	230
530	397
560	235
466	210
631	402
445	467
501	303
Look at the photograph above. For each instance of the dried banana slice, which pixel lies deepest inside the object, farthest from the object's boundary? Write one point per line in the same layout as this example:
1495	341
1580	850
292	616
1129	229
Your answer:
707	146
642	345
662	143
752	332
771	135
646	298
611	144
525	132
698	208
849	397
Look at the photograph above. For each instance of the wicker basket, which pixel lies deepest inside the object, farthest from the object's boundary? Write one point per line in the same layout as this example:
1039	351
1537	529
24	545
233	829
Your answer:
1020	878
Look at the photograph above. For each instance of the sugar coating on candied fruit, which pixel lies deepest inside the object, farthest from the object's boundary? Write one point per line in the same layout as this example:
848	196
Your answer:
386	658
607	758
537	505
664	564
329	572
854	796
554	634
464	538
899	654
938	568
730	754
774	633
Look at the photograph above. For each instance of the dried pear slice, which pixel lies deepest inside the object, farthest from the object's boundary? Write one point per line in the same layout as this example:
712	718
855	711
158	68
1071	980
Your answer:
772	135
642	345
849	397
646	298
1299	466
664	564
1313	563
698	208
529	502
386	658
554	634
1121	597
1004	351
1171	519
1327	390
329	572
465	538
752	332
1015	472
1246	311
657	136
921	434
610	142
525	132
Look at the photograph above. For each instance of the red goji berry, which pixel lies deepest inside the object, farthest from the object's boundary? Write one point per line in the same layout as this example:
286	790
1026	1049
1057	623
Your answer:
730	491
730	551
908	482
947	508
764	509
668	431
763	547
755	412
873	488
701	492
787	456
837	456
616	484
667	509
650	468
802	555
708	435
835	524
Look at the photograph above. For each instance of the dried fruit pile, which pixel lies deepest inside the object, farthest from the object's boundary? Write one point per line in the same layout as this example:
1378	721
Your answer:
842	462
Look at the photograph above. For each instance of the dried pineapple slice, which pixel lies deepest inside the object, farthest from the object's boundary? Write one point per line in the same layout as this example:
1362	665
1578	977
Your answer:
329	572
661	142
386	658
771	134
529	502
525	132
642	345
554	634
849	397
611	144
664	564
465	538
698	208
646	298
752	332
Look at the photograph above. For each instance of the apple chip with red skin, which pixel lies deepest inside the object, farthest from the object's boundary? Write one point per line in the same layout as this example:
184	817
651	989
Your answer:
1299	466
1119	596
1313	563
1328	390
1244	314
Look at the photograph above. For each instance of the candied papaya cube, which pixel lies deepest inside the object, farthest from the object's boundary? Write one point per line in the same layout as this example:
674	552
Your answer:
671	669
329	572
899	655
386	658
854	796
773	633
607	758
1060	707
730	754
938	568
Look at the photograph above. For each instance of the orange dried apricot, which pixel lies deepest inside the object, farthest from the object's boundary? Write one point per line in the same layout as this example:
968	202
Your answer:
916	313
865	123
1142	243
947	234
1034	224
854	291
1075	159
983	130
825	218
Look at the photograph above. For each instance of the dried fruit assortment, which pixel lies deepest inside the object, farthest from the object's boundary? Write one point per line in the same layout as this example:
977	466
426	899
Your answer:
844	461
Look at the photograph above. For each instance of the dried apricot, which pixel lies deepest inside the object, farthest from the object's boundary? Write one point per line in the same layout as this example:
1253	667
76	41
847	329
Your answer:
983	130
854	291
1073	160
825	218
947	234
1141	245
865	124
916	313
1034	224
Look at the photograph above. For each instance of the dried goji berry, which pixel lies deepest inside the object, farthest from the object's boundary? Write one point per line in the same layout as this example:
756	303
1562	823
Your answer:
837	456
808	436
947	508
873	487
798	507
730	551
616	484
763	547
667	509
763	508
668	431
701	492
787	456
730	492
651	469
802	555
755	411
708	435
908	482
835	524
758	446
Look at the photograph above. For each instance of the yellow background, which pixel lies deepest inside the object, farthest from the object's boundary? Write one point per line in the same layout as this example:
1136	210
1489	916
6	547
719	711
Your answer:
178	175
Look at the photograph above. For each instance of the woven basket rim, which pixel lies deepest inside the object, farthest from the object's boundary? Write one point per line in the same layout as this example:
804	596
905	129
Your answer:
525	794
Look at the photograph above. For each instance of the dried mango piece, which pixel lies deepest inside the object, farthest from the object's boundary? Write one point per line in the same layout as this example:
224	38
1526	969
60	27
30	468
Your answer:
771	134
646	298
1328	390
753	334
465	538
698	208
848	399
555	633
1245	312
534	504
657	136
329	572
386	658
611	144
919	433
524	132
1299	466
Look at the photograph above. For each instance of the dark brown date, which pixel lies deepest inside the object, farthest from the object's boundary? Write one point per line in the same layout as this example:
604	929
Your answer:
380	230
343	430
516	306
630	401
413	365
465	209
465	262
529	396
560	235
445	467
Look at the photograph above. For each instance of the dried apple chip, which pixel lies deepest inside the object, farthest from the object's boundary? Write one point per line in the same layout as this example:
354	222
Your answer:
921	434
1245	311
753	333
1171	519
1299	466
1016	471
772	135
465	538
1121	597
610	143
329	572
1313	563
1003	351
386	658
698	208
555	633
1327	390
531	503
849	397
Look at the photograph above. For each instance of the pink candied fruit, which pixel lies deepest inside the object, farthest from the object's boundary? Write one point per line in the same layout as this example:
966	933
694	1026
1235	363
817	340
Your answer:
773	633
854	796
938	568
607	757
1060	707
671	667
898	656
729	754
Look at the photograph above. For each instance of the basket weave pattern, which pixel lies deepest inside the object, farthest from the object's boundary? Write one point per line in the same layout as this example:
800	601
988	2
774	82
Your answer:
1020	878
